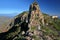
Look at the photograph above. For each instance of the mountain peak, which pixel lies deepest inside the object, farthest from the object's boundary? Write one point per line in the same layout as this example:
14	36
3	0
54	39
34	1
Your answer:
35	15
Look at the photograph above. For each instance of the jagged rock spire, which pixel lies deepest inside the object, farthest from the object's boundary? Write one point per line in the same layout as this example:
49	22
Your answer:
34	0
35	16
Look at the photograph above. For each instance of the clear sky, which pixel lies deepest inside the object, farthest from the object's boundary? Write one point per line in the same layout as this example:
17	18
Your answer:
51	7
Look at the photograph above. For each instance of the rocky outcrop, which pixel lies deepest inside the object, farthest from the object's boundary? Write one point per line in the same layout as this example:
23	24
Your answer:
35	17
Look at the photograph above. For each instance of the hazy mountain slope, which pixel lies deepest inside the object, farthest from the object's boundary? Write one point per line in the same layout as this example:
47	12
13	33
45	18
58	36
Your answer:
11	15
4	22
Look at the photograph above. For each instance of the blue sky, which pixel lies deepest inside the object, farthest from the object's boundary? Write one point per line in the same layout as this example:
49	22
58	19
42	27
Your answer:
51	7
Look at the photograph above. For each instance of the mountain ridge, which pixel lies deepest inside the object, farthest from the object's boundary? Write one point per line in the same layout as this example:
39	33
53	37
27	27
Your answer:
33	25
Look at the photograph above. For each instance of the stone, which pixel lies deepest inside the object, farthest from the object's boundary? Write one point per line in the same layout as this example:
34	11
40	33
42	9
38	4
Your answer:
48	38
35	17
39	27
28	38
31	34
23	33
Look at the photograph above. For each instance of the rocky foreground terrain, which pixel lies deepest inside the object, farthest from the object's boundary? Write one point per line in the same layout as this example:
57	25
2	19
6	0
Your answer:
33	25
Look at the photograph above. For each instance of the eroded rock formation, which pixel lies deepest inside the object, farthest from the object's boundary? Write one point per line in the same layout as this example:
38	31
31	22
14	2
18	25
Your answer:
35	17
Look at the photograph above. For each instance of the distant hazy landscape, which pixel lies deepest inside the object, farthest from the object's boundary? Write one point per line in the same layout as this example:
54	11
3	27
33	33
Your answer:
8	15
4	21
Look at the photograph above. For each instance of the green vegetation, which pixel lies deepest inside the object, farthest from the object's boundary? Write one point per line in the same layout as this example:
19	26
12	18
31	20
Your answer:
51	29
33	28
13	32
57	25
20	38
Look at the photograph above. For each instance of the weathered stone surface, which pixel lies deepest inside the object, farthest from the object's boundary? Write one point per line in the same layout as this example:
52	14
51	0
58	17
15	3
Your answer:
35	17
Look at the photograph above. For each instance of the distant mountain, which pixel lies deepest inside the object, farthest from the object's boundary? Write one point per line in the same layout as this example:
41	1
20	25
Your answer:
4	22
3	19
9	15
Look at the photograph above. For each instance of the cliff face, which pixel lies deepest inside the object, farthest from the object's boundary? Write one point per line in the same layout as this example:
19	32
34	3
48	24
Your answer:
35	16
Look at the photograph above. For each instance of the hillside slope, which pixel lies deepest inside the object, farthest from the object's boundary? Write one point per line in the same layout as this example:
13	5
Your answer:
4	22
50	31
